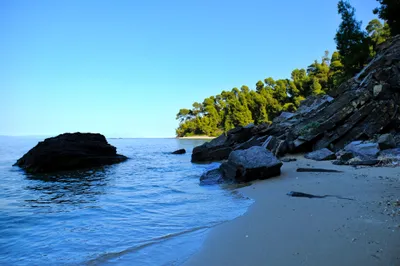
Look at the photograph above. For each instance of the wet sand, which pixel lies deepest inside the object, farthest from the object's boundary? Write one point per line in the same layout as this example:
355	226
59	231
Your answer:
282	230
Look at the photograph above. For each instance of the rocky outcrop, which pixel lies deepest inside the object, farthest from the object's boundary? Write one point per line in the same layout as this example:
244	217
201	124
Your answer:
251	164
70	151
180	151
321	155
360	108
219	148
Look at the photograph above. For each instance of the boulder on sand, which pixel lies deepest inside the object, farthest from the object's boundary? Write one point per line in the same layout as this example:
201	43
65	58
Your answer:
321	155
70	151
386	141
363	149
251	164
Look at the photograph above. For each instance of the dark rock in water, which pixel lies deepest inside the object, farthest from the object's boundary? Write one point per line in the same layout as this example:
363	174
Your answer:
70	151
321	155
386	141
363	149
180	151
251	164
211	177
288	160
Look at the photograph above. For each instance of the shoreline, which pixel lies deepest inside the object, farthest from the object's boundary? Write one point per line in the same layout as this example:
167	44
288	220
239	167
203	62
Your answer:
282	230
196	137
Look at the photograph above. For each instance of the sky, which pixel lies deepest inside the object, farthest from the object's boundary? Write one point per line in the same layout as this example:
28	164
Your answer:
125	68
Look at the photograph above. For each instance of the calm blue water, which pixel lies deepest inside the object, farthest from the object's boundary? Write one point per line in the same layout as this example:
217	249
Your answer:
149	210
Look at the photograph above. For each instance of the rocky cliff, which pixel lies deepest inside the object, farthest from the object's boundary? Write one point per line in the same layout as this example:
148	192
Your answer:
359	109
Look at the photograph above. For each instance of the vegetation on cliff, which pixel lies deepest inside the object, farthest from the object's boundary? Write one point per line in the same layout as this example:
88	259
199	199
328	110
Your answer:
241	106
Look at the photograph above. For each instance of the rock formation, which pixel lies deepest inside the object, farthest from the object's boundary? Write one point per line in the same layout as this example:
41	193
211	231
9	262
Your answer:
69	151
360	108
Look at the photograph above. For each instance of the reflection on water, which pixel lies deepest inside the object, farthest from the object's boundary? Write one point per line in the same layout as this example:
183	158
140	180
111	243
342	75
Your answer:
149	210
78	187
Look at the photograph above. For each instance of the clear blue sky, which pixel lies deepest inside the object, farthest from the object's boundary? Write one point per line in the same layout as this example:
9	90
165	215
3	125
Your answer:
125	68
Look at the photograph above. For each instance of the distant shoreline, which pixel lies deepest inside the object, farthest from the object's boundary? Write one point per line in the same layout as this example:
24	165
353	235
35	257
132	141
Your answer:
196	137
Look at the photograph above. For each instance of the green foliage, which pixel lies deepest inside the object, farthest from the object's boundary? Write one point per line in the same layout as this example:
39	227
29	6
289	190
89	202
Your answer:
377	33
352	43
309	128
239	107
389	11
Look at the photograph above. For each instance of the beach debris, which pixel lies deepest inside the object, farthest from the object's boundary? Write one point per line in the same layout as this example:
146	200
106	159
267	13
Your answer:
318	170
180	151
321	155
310	196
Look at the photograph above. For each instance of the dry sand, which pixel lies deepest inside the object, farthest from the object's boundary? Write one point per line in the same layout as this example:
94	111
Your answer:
282	230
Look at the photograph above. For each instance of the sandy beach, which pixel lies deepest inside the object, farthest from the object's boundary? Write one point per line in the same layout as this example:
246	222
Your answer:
282	230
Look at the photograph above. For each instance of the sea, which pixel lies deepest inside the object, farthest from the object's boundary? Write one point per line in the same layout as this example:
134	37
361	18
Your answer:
149	210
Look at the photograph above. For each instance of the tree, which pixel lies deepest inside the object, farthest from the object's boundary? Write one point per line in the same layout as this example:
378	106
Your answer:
390	12
336	75
352	43
378	34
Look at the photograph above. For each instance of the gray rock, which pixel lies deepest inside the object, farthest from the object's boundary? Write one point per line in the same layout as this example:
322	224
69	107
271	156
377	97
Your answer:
363	149
390	153
363	161
386	141
276	146
254	141
321	155
219	148
251	164
211	177
283	116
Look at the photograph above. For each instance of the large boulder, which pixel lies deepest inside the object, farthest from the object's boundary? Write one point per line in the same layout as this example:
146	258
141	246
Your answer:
251	164
70	151
321	155
386	141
